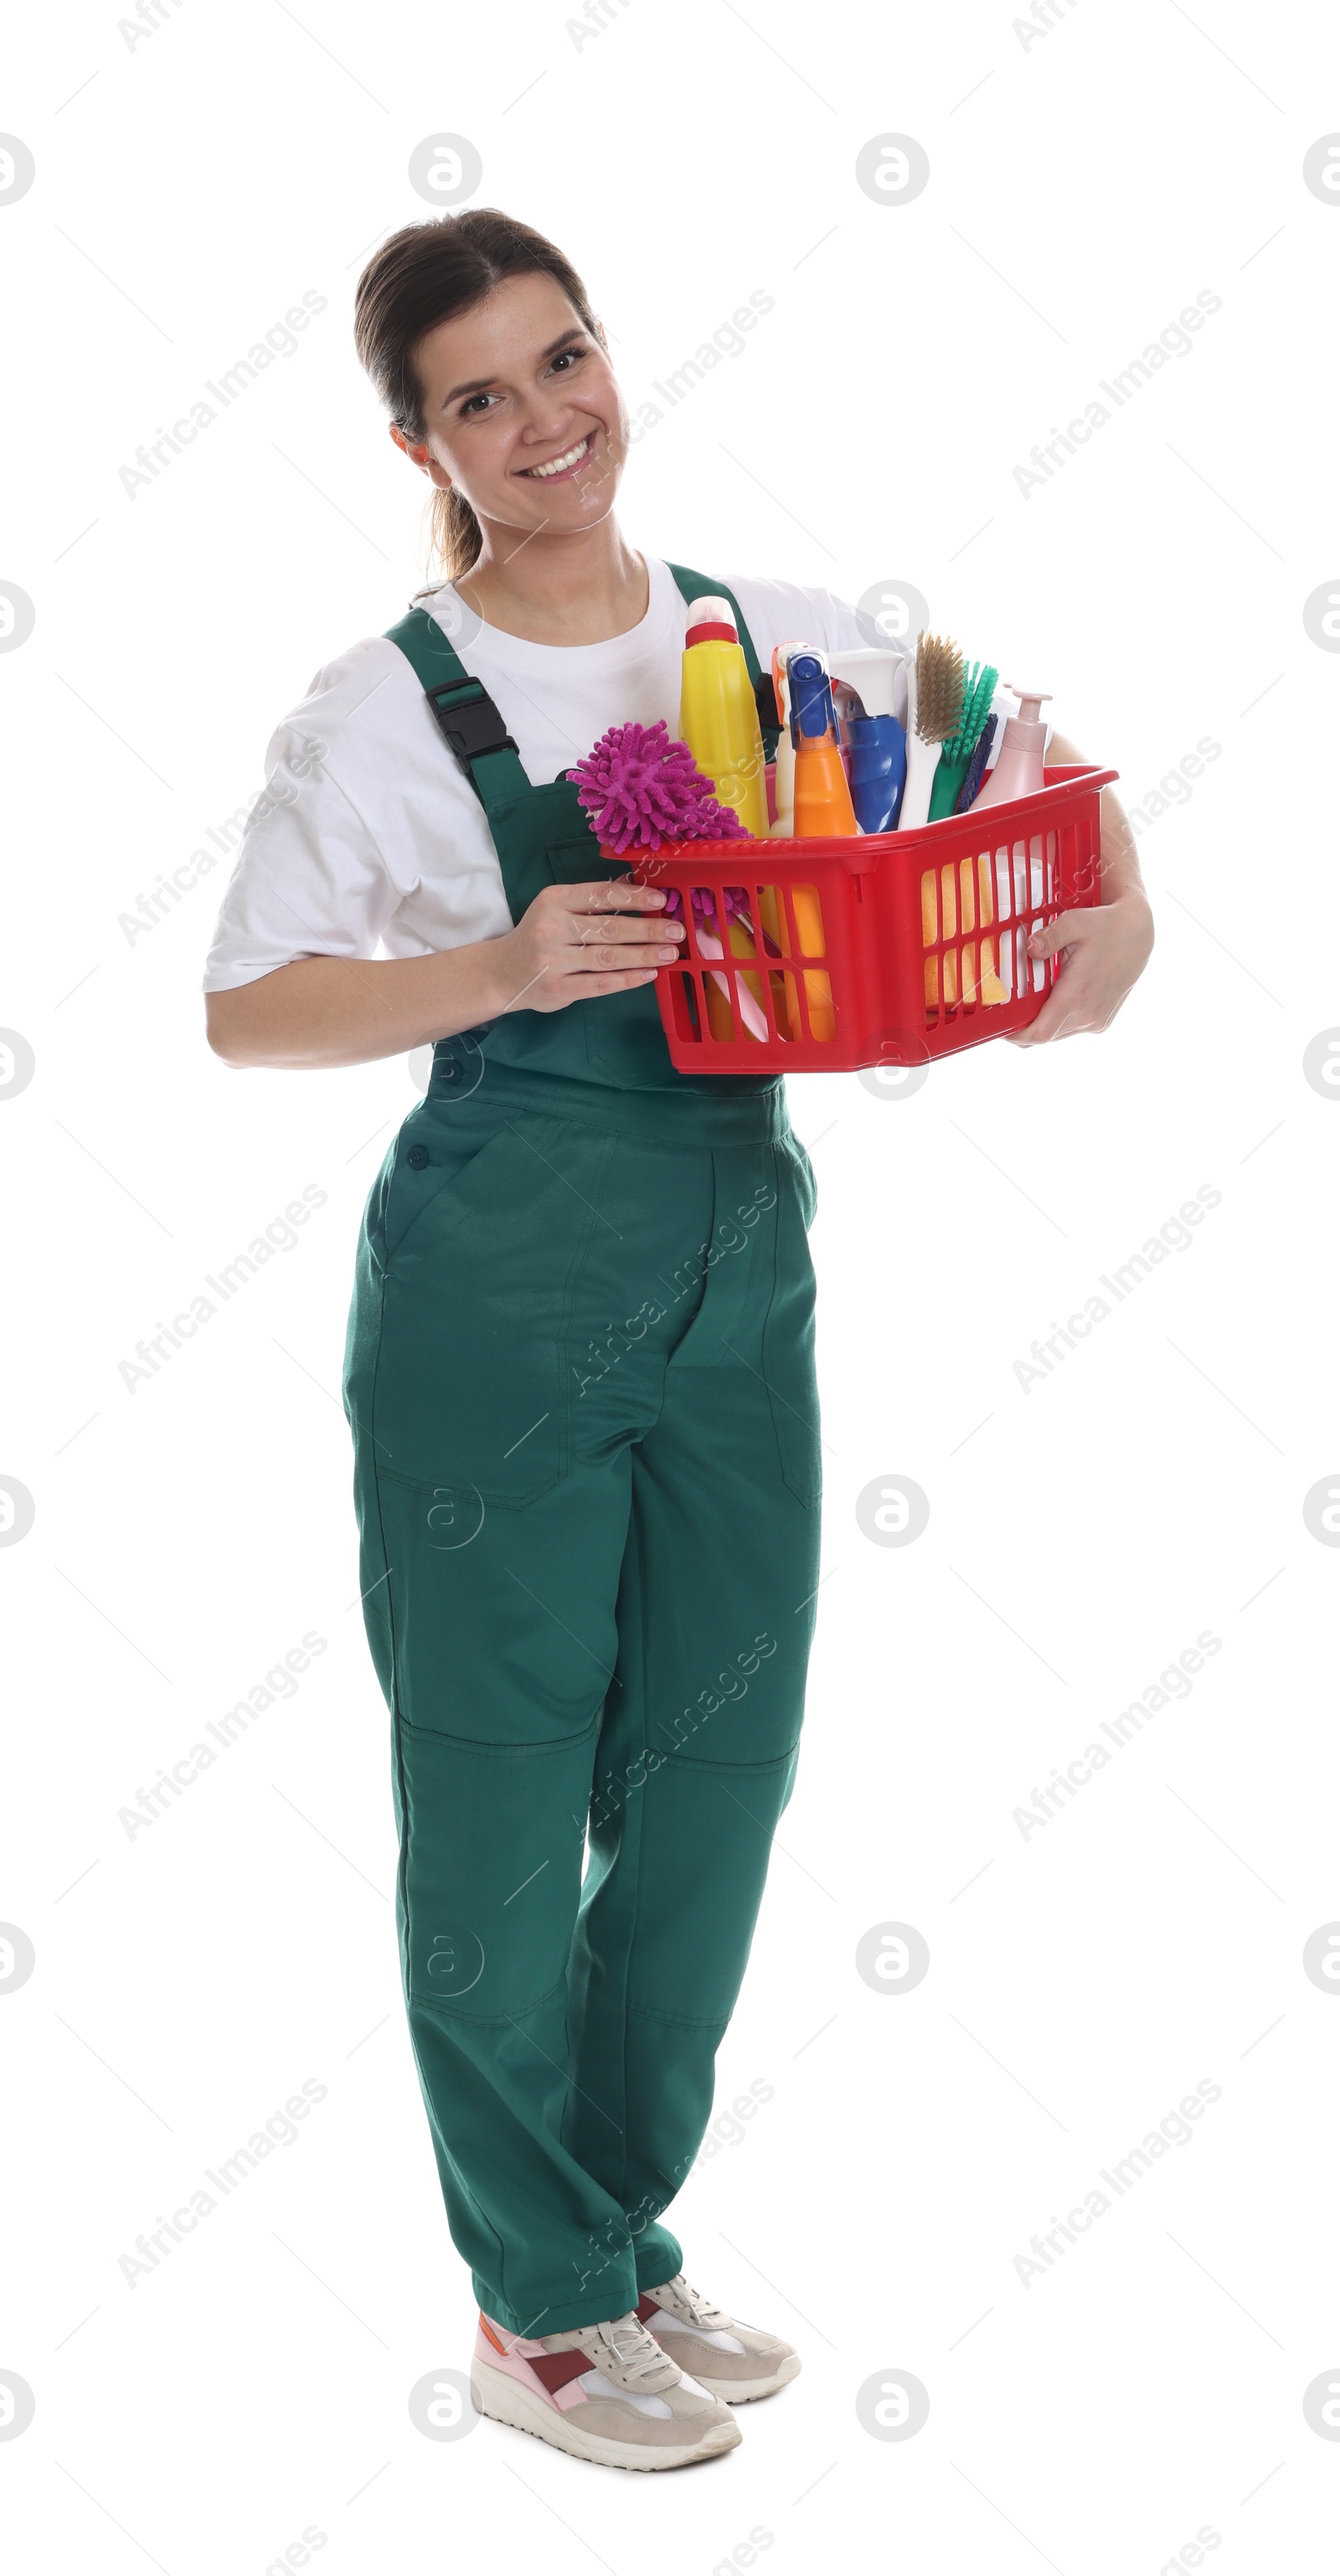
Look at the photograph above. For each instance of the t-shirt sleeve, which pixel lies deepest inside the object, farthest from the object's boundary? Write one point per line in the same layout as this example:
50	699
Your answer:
309	878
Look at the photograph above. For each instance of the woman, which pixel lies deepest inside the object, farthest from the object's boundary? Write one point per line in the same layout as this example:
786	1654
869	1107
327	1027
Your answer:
580	1372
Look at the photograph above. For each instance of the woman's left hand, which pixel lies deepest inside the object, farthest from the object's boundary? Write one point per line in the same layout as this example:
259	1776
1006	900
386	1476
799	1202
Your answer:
1103	951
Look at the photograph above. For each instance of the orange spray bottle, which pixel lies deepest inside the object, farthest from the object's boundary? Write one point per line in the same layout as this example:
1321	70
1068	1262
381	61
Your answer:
823	806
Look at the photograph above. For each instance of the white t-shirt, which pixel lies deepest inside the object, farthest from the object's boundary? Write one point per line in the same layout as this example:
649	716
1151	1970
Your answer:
369	837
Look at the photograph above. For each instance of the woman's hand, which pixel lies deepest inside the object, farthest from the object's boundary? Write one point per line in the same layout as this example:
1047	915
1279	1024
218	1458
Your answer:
576	941
1103	951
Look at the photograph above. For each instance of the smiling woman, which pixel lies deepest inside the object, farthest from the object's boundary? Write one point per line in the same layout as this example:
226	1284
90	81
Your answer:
548	412
575	1529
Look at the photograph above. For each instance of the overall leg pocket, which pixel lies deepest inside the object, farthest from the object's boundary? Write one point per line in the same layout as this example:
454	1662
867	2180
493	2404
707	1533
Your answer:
493	1848
482	1261
706	1841
502	1623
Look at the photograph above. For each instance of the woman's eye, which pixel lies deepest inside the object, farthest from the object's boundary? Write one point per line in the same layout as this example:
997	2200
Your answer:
468	407
567	357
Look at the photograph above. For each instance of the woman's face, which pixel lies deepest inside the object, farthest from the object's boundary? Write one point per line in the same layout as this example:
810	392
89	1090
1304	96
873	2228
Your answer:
516	385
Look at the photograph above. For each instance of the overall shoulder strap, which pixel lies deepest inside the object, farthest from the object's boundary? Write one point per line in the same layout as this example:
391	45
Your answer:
471	724
696	585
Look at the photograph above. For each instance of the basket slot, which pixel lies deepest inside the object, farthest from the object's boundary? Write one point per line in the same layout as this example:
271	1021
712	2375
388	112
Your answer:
989	988
1025	885
707	911
741	1006
939	925
783	1011
1079	866
960	969
686	1008
775	988
801	935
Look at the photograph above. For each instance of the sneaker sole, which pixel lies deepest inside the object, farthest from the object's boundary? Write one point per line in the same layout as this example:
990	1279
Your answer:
734	2392
498	2395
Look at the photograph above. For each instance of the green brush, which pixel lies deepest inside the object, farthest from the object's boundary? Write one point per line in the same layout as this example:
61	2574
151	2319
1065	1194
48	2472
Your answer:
978	690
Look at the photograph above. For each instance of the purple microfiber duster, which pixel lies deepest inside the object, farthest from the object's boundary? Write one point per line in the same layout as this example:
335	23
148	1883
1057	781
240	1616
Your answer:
640	788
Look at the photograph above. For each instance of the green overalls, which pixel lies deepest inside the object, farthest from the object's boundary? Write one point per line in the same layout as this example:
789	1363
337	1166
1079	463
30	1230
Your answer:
580	1381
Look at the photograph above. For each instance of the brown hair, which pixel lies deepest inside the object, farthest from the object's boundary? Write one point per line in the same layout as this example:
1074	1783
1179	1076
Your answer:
426	274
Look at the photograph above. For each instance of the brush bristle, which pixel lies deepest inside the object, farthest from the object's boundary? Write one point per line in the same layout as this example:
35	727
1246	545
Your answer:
939	688
978	688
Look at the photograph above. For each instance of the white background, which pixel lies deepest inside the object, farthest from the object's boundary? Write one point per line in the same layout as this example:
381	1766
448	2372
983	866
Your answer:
1082	1980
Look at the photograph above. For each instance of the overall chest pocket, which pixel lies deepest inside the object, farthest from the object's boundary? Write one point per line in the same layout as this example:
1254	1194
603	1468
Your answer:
470	1391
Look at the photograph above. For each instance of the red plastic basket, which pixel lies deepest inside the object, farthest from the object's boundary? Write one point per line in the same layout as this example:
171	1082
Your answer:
889	948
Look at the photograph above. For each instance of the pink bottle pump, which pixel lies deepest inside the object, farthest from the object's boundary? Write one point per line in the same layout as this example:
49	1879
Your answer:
1018	771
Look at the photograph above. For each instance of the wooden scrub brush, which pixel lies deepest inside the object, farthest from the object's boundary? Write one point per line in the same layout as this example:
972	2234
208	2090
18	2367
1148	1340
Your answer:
934	714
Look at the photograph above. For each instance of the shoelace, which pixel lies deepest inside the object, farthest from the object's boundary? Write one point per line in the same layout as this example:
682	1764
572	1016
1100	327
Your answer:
633	2348
702	2310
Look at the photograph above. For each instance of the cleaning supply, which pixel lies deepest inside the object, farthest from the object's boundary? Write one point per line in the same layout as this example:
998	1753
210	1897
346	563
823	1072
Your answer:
1020	872
934	714
822	810
878	750
1022	875
718	717
875	673
955	900
640	788
956	756
977	766
784	766
1019	771
823	805
970	903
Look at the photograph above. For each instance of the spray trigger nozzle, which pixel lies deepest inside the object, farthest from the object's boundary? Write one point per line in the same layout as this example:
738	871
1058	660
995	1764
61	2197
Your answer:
811	707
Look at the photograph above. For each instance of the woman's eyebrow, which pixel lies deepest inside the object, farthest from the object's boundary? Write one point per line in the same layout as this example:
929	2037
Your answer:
480	384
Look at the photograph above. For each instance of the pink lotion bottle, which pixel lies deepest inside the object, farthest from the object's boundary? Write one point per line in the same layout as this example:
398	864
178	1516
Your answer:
1018	771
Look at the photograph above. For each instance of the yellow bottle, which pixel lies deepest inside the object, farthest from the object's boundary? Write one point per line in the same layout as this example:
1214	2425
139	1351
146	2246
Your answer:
718	718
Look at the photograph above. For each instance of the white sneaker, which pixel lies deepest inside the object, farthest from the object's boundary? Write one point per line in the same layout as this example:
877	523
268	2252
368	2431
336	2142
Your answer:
606	2393
733	2361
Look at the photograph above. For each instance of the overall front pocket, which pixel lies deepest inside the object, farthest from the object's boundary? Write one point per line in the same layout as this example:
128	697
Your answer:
470	1388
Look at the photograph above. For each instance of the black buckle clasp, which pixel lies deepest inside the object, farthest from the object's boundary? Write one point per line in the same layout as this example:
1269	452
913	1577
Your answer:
470	722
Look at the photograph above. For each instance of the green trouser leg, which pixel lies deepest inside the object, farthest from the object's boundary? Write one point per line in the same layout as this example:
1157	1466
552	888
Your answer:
580	1378
715	1614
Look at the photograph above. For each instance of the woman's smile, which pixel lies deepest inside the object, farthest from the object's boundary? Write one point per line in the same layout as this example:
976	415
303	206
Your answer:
557	468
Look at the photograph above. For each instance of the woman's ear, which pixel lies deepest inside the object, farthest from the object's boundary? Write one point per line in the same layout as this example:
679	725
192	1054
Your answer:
418	454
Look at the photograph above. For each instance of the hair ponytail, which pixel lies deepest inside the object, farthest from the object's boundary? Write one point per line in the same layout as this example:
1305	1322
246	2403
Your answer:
425	274
453	533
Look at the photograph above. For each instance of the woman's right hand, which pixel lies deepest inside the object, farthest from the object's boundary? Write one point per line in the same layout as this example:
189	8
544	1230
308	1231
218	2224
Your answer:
572	942
577	941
